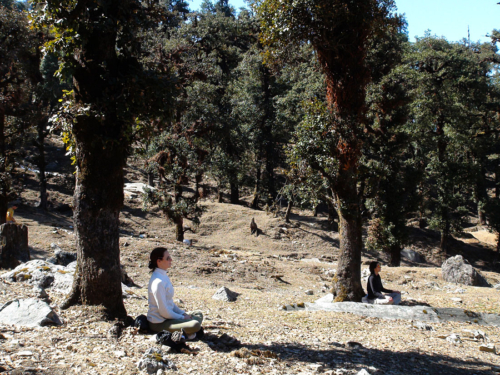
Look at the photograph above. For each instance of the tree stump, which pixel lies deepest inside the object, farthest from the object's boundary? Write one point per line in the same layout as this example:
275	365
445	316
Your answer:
14	245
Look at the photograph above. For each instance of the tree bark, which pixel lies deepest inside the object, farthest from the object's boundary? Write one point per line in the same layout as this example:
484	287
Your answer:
255	200
219	194
100	150
42	125
394	256
5	180
288	210
235	194
14	246
347	282
315	210
179	229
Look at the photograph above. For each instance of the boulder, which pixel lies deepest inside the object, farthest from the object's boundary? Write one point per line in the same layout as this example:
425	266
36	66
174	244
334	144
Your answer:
28	313
62	257
224	294
153	361
415	313
14	249
457	270
412	255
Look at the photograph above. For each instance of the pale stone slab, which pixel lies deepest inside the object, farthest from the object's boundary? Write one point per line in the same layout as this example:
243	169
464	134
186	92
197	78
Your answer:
418	313
28	313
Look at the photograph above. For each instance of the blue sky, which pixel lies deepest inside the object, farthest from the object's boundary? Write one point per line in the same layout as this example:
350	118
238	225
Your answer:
448	18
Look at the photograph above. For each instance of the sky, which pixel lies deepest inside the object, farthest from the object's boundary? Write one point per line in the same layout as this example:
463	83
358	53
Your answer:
446	18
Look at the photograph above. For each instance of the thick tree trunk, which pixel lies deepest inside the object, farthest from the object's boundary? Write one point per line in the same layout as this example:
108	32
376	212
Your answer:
445	237
100	151
394	256
97	202
255	200
235	194
288	210
42	125
14	246
347	282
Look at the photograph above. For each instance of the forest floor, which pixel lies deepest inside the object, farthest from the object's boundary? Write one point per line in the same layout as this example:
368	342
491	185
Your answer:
225	254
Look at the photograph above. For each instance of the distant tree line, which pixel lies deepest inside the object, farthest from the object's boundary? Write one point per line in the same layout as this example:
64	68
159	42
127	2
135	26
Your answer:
307	102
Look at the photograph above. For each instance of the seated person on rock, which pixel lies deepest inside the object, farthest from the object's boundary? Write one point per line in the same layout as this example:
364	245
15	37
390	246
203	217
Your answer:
376	290
163	313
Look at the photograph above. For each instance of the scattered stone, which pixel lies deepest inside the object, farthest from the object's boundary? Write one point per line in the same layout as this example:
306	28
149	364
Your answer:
309	292
224	294
490	348
28	313
25	353
187	242
497	287
459	291
423	326
330	273
120	353
353	345
457	270
412	255
456	299
63	258
363	372
454	339
153	360
40	293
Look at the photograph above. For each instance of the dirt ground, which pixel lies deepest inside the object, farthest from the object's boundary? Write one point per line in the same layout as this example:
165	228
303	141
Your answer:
268	271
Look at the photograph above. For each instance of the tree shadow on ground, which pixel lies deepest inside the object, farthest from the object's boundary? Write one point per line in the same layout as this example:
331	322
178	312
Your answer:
354	358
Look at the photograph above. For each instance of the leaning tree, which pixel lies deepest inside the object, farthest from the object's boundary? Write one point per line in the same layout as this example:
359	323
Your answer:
339	32
99	44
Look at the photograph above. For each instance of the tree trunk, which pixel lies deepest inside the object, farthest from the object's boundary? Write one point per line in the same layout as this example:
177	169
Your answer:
97	202
394	255
445	237
235	194
151	179
14	250
315	210
197	179
101	150
179	229
255	201
288	210
347	282
4	179
42	125
497	181
219	194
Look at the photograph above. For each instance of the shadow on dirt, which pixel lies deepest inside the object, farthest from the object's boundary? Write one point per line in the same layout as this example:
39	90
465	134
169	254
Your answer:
352	357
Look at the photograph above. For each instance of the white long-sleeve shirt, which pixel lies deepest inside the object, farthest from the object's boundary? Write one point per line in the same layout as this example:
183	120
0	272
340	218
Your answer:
160	298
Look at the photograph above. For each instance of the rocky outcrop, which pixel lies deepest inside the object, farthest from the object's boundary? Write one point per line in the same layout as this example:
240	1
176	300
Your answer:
458	270
416	313
28	313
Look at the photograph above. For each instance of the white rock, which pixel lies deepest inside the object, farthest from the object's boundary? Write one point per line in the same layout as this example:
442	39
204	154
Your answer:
363	372
25	353
28	313
309	292
120	353
456	299
224	294
454	339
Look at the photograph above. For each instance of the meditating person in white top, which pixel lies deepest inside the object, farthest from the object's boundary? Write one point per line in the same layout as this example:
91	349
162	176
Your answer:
375	289
163	313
